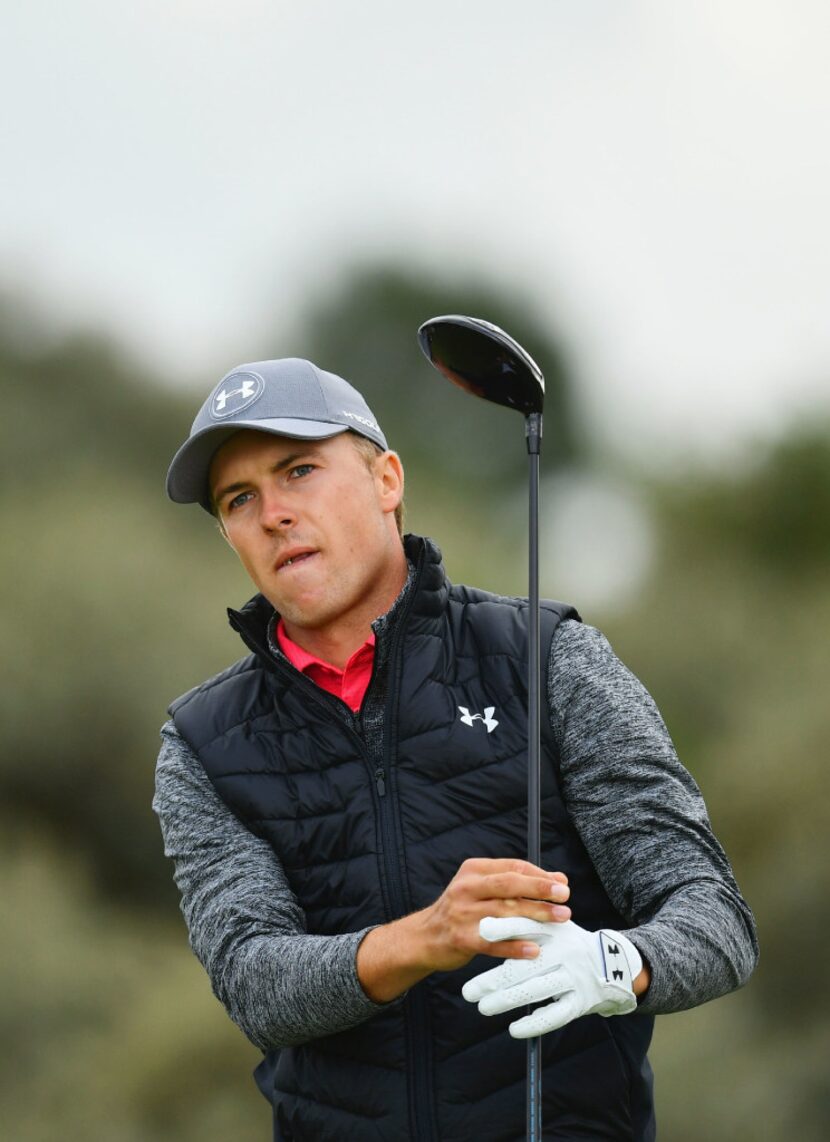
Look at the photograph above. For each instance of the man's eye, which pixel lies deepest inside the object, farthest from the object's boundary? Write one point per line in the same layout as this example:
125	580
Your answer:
238	501
301	470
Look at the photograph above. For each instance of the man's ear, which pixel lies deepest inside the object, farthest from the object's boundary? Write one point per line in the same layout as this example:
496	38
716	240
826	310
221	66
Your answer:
390	475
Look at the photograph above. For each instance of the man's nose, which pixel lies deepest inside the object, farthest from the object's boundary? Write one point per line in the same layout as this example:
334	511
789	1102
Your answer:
276	513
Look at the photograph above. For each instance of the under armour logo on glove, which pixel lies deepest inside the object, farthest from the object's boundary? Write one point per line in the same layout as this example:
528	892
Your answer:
615	963
487	717
583	973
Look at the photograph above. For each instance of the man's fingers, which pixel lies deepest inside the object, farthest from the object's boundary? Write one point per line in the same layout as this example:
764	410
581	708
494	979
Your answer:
550	985
505	975
539	910
514	886
508	974
491	866
514	951
476	988
495	928
519	906
545	1019
492	928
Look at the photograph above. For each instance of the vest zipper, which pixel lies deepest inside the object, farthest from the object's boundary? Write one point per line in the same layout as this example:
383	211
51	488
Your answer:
416	1021
416	1017
415	1014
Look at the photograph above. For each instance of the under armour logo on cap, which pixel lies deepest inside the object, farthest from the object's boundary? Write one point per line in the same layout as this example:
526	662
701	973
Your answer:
487	717
237	392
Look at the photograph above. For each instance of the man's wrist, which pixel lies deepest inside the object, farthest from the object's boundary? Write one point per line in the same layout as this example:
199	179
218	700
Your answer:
641	982
642	979
392	958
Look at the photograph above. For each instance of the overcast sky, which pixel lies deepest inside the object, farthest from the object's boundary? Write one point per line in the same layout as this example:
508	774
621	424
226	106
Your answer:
652	175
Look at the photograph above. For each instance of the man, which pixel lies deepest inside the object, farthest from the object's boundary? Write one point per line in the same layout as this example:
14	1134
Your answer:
345	807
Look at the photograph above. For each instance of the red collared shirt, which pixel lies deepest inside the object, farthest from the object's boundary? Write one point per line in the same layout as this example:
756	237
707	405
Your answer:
348	684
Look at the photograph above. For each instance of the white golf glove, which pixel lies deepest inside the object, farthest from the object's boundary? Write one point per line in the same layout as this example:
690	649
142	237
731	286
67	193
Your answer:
584	973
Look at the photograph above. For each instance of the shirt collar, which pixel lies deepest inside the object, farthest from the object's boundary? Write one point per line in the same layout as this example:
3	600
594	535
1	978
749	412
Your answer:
303	660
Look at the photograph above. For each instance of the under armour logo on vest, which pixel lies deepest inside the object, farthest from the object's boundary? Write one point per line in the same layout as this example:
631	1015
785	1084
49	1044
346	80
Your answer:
247	390
487	717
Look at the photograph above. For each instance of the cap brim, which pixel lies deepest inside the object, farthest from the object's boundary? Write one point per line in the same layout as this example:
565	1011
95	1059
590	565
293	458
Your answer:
187	477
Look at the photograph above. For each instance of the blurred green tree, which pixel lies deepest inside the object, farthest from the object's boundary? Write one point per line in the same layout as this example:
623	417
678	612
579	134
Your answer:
113	603
731	637
116	595
366	330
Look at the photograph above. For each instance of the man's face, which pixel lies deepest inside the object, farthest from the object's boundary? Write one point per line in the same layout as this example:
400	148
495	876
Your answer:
313	525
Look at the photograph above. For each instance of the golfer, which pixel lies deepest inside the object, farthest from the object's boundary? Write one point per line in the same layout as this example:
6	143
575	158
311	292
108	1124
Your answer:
345	807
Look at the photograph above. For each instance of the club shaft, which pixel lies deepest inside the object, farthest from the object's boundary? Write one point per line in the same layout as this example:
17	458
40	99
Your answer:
534	855
534	843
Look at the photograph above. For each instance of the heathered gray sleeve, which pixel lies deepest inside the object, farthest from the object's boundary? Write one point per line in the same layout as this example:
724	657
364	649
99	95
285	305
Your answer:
643	821
279	984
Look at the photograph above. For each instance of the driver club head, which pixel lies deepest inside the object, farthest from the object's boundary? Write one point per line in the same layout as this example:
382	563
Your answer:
484	360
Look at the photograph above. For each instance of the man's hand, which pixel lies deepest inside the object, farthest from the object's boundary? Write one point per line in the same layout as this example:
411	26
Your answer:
583	972
503	888
446	935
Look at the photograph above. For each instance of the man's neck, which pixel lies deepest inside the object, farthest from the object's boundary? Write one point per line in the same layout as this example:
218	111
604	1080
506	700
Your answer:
336	643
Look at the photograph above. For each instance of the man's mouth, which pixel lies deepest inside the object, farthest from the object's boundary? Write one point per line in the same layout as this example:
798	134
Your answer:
294	558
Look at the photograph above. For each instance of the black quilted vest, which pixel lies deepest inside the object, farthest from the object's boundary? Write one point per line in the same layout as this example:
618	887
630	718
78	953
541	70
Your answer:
363	847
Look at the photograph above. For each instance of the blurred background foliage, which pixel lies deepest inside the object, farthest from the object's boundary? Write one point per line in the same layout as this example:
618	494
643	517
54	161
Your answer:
113	604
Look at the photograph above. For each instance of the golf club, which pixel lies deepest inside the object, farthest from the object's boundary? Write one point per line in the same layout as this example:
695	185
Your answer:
485	361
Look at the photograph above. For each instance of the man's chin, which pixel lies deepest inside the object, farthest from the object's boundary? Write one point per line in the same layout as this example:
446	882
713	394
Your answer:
300	618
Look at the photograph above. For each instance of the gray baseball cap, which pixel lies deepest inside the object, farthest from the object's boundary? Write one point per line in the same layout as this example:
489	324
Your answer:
290	397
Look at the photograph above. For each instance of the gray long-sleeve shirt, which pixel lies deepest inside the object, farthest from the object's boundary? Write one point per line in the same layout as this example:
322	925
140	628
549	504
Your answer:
638	811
